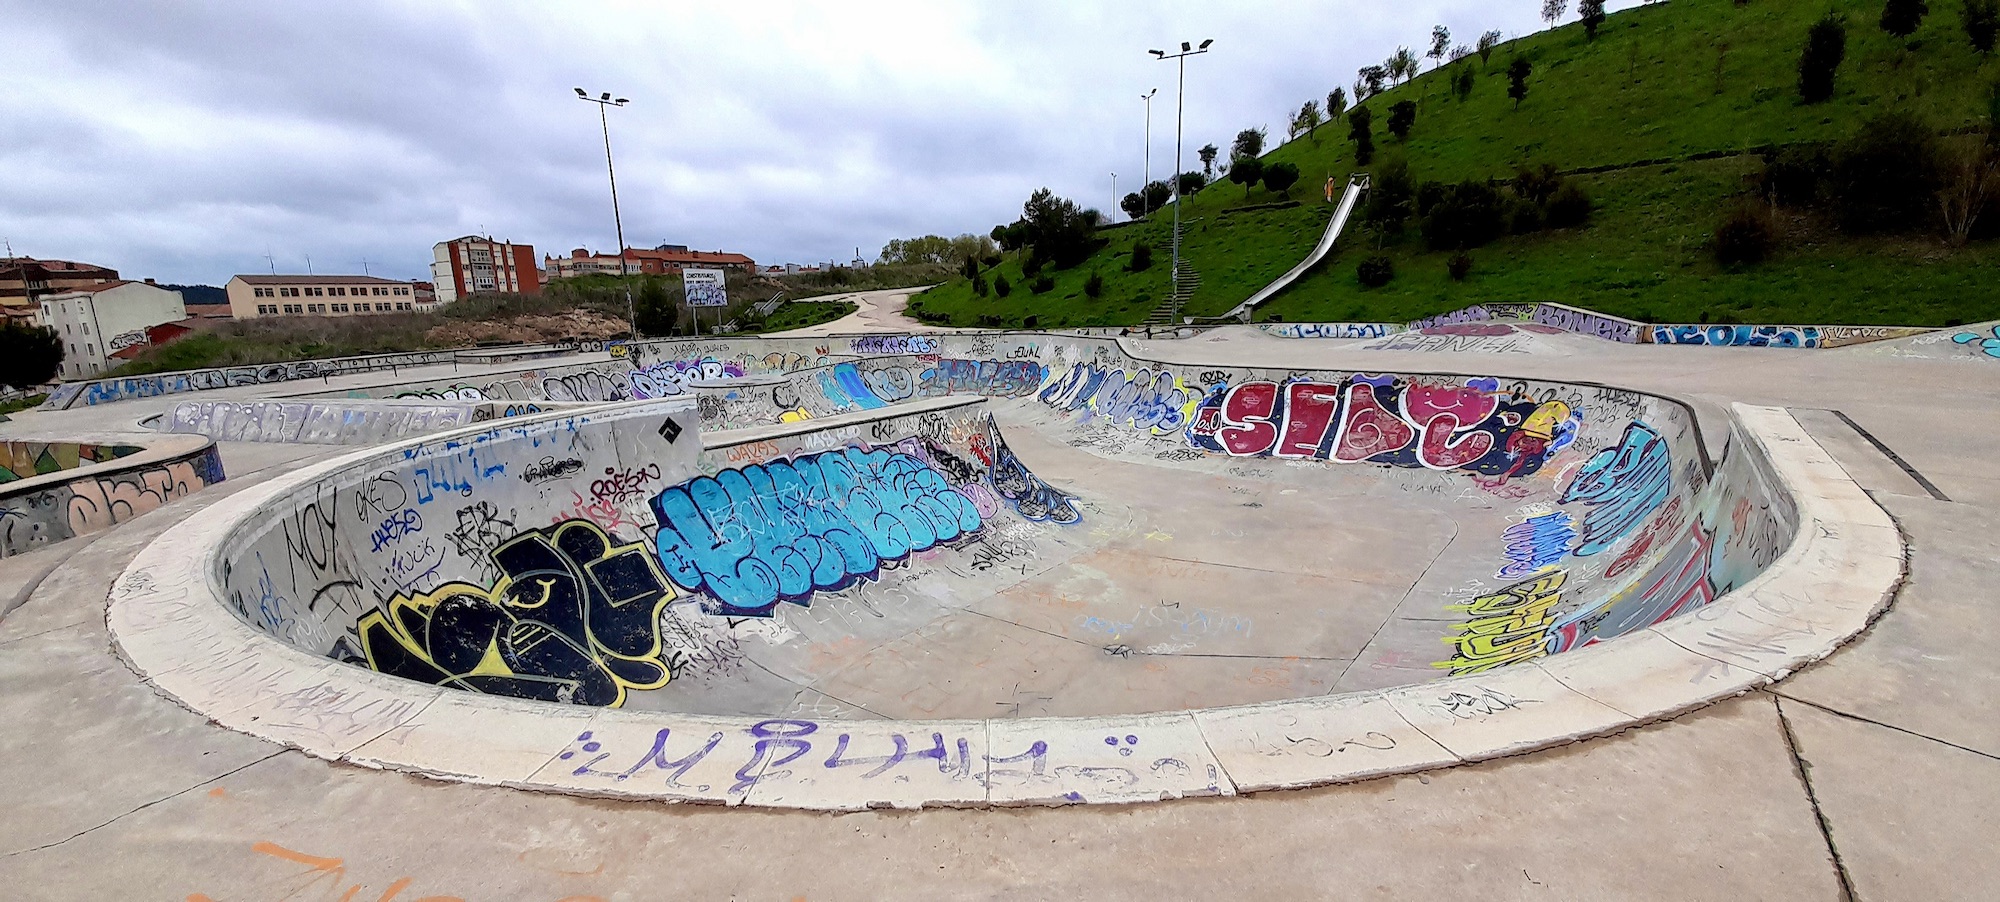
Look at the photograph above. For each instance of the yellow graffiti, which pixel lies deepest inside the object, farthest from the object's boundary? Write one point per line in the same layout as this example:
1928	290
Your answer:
1543	422
1505	628
572	618
795	415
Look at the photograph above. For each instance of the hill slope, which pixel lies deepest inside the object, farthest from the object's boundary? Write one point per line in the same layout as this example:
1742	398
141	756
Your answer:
1658	120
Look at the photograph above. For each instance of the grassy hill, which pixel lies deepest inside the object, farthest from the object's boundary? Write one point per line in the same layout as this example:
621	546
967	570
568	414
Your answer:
1659	120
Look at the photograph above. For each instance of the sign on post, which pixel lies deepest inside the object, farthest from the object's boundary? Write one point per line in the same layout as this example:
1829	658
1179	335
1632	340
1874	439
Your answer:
705	288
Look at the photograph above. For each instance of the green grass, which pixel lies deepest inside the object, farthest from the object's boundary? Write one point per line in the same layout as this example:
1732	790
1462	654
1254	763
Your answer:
1648	89
800	314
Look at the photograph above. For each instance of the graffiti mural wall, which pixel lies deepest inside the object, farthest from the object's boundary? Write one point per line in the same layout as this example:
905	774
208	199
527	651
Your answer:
62	490
105	391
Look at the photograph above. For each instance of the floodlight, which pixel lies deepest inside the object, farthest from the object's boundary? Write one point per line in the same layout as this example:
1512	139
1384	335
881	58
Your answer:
579	93
1204	44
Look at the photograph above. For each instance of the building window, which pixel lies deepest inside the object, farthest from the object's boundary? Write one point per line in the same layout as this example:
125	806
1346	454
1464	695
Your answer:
315	308
86	328
381	306
403	306
294	308
402	291
340	308
266	309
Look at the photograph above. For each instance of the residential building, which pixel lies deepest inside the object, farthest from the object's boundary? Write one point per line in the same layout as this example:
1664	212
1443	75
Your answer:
667	259
25	280
254	296
96	321
471	264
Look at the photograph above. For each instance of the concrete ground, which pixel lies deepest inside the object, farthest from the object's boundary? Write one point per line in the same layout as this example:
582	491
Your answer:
1873	775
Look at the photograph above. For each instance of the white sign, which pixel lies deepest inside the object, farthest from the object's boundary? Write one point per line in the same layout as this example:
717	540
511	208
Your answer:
705	288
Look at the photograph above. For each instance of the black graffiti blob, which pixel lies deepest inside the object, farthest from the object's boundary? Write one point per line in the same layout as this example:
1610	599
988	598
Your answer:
572	619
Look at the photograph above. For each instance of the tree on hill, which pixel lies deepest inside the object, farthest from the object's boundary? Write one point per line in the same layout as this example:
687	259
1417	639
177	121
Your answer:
1402	116
1336	104
29	355
1369	81
1592	14
1885	178
1307	121
1487	42
1249	143
1402	65
1826	46
1246	171
1192	182
1902	17
1517	79
1208	153
1056	230
1460	52
1143	202
1280	177
1982	23
1360	129
1461	82
1552	10
1440	45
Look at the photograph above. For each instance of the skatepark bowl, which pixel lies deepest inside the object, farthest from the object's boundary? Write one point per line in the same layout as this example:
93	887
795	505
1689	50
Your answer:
60	489
989	569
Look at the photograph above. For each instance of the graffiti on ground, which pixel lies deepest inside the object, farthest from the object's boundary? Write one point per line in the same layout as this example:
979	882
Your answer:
782	530
1536	544
1980	344
572	619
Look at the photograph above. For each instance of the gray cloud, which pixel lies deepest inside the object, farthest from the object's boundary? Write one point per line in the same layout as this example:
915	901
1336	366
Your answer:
181	141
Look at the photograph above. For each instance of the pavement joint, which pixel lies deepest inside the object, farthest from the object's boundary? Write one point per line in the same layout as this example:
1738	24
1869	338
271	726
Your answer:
1803	769
1780	692
169	797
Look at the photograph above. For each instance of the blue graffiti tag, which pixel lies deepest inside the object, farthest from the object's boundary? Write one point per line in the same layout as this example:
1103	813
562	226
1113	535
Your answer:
1623	485
1537	543
1032	498
782	530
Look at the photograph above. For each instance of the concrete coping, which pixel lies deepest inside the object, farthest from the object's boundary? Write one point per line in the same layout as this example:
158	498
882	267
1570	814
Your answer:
157	449
1840	570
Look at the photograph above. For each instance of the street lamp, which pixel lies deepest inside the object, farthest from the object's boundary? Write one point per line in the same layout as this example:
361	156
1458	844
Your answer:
603	101
1180	105
1114	198
1144	208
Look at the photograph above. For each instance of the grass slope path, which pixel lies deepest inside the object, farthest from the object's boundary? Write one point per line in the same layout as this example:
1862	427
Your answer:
1696	83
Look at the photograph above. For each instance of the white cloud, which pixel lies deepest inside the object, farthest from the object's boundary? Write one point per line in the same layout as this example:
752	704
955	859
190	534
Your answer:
180	141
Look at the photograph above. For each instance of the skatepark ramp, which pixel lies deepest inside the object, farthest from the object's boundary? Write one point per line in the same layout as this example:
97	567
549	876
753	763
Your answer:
1357	185
56	490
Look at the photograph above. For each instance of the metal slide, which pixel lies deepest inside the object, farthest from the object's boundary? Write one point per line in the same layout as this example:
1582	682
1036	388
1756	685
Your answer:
1357	184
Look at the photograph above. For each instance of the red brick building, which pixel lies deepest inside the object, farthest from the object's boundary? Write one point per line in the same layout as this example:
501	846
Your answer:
667	259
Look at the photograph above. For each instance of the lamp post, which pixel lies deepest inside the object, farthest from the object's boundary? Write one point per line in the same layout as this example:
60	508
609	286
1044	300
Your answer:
1114	198
603	101
1145	208
1180	106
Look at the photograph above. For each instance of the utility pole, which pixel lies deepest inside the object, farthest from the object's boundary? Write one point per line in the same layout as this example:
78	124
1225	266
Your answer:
1114	198
1145	200
624	270
1180	106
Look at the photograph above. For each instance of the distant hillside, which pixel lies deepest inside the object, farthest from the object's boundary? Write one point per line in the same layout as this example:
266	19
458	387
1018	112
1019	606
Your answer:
199	294
1658	120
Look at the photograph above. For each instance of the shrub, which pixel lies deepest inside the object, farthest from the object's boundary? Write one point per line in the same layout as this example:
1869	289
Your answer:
1359	128
1902	17
1792	174
1567	208
1376	271
1279	177
33	355
1390	197
1094	286
1402	116
1469	214
1459	266
1885	178
1142	257
1192	182
1826	46
1537	183
979	286
1002	287
1043	284
1246	171
1982	23
1745	236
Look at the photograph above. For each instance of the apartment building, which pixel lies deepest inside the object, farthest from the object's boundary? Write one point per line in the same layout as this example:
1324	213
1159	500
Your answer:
25	280
98	321
253	296
472	264
667	259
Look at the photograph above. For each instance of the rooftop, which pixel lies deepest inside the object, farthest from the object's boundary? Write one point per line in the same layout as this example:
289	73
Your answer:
316	280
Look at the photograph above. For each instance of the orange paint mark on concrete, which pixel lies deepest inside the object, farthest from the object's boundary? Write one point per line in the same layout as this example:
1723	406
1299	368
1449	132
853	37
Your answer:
217	793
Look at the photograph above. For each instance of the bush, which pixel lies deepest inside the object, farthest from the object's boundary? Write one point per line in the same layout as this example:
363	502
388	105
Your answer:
1002	287
1792	174
1459	266
1826	46
1142	257
1467	216
1279	177
1246	171
1376	271
1402	116
1390	197
1522	217
29	355
1359	128
1568	207
1886	177
1043	284
1537	183
1745	236
1094	286
1192	182
979	286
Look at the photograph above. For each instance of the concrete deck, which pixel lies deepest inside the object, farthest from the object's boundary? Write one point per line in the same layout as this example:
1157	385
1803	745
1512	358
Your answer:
1872	774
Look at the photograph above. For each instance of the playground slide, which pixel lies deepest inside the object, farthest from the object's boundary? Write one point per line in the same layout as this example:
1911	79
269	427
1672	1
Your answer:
1357	185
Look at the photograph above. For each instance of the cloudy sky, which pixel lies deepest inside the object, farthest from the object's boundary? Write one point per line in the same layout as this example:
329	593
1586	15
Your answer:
185	141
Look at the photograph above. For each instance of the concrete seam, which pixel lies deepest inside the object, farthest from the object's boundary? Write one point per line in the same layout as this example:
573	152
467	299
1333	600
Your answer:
1876	723
1637	720
150	804
1387	618
1803	769
1893	457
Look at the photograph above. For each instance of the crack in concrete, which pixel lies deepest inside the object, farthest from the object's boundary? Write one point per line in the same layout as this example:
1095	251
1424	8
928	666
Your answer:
165	798
1876	723
1803	768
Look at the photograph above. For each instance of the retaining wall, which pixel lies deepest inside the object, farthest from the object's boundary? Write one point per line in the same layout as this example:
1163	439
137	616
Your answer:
117	479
